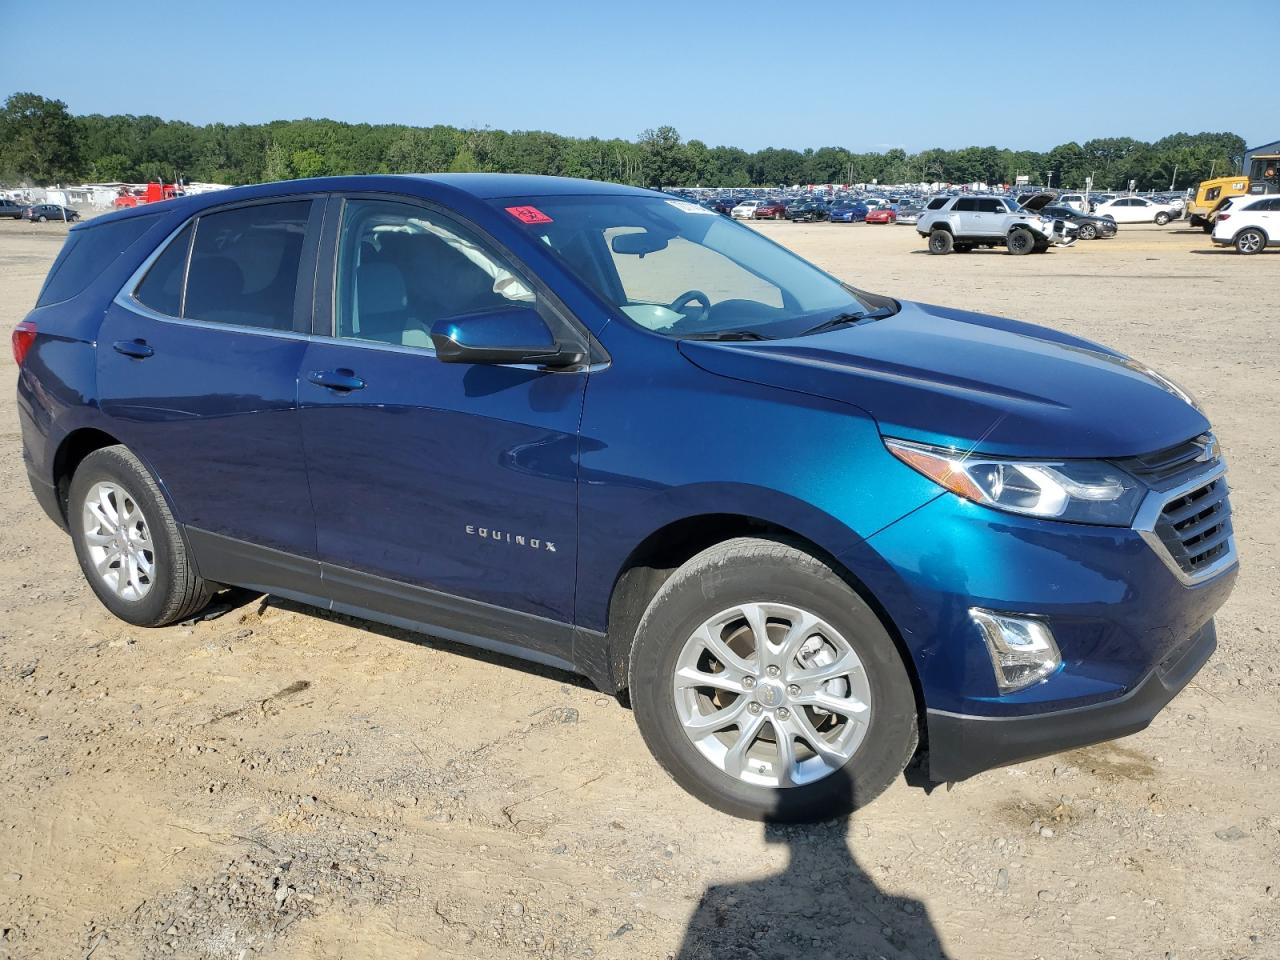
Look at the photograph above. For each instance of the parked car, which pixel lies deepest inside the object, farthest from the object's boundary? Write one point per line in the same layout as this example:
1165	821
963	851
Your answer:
884	214
1248	223
909	212
775	209
847	211
40	212
959	541
11	208
1135	210
963	223
724	205
746	210
806	210
1077	202
1088	227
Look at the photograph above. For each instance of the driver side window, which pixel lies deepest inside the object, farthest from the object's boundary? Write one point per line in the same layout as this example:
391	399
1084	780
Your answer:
664	275
401	268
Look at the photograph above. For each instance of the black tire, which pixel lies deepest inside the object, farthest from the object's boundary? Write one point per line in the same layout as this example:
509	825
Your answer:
1162	218
1088	232
1250	240
42	218
746	570
1020	241
941	242
176	590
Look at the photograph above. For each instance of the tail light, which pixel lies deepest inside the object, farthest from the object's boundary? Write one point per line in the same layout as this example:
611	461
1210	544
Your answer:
1224	216
24	335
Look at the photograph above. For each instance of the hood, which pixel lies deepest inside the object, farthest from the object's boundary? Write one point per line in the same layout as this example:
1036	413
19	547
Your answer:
951	377
1035	201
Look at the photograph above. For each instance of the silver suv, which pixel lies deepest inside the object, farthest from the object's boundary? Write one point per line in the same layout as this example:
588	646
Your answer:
962	223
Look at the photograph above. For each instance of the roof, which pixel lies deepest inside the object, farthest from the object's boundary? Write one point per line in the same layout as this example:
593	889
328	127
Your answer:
480	186
1272	147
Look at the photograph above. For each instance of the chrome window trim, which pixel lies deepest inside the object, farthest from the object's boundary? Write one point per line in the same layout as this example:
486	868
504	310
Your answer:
1148	516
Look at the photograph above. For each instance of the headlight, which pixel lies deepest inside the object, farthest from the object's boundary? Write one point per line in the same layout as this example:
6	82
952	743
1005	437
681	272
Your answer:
1084	491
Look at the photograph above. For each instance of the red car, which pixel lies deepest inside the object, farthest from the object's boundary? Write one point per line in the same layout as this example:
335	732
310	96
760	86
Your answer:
771	210
882	215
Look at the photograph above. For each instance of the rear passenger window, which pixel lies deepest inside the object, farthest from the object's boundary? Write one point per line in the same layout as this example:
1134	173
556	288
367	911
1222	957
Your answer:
88	251
965	205
244	265
161	288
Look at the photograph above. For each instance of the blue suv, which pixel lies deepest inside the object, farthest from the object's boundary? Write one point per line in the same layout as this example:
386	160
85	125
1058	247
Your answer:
809	532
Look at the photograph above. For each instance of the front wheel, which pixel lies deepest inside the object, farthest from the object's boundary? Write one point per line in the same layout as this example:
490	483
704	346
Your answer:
1020	241
766	687
1251	241
941	242
1162	218
42	218
1088	231
128	543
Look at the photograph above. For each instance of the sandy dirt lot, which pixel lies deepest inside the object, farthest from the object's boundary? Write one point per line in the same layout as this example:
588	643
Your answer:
283	783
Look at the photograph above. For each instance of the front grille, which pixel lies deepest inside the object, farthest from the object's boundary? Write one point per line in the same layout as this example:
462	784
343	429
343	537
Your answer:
1171	462
1195	527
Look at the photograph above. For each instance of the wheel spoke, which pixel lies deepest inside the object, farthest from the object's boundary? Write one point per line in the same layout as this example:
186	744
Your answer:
800	630
786	752
122	576
831	756
720	650
850	707
106	496
735	759
756	619
814	677
103	565
96	539
705	724
728	680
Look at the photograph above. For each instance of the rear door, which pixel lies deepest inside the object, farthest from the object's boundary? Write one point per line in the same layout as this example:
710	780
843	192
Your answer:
197	367
446	494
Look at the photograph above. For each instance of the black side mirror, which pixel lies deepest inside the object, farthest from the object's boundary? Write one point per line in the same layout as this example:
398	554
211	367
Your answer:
504	336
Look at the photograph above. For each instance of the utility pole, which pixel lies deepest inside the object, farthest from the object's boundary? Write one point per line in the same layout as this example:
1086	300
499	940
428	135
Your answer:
1174	178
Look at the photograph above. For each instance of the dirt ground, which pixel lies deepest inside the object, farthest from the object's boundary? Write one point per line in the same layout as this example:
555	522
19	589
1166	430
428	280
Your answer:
283	783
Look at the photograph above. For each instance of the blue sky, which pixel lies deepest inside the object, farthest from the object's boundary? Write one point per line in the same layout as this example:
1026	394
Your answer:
749	74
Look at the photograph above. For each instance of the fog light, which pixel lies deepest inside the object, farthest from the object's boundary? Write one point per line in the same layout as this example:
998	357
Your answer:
1022	649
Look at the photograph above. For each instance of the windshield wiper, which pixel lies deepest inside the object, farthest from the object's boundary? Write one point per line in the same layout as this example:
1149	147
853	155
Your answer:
727	335
841	319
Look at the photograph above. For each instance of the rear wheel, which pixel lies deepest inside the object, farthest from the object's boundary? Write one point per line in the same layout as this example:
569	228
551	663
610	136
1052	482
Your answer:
767	688
1020	241
128	543
1162	218
42	218
1251	241
941	242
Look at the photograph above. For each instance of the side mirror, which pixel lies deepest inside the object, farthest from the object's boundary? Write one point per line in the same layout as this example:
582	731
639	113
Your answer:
504	336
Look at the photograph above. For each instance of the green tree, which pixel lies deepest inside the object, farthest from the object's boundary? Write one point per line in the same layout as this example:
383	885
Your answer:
464	161
39	140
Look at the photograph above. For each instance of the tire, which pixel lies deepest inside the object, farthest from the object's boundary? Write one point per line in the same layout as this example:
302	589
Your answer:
712	588
1251	240
1020	241
173	591
941	242
1162	218
42	218
1088	232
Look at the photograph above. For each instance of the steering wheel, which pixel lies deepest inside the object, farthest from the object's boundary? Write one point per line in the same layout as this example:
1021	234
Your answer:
692	296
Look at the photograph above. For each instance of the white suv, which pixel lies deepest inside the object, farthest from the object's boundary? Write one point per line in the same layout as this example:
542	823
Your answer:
1250	224
962	223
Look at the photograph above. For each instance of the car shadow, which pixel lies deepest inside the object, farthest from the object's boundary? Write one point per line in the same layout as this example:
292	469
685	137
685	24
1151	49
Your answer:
822	903
1230	252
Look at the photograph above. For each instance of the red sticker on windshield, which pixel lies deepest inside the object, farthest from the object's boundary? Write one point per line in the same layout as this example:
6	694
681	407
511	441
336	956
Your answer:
528	214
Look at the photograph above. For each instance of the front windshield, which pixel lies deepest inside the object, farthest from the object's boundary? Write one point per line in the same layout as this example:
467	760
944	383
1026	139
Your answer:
679	270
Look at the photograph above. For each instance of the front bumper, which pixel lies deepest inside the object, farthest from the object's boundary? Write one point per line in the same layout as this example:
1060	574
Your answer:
962	745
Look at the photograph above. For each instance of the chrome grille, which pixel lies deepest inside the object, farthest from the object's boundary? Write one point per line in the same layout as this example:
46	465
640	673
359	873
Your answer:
1195	527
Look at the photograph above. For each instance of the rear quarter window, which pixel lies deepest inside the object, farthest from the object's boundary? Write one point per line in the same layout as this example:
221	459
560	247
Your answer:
937	203
87	252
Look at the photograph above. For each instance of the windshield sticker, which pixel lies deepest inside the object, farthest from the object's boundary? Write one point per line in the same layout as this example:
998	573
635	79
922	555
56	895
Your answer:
688	207
528	215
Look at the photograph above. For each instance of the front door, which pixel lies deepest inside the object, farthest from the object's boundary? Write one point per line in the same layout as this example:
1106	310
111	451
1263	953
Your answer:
197	367
446	494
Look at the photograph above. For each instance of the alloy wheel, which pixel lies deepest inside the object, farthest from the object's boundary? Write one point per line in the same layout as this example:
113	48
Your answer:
118	541
772	695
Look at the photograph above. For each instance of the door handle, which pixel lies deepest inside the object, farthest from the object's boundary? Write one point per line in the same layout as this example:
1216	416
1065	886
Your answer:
137	349
342	380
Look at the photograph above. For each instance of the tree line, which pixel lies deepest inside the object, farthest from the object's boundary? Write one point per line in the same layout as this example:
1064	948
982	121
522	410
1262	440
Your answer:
42	143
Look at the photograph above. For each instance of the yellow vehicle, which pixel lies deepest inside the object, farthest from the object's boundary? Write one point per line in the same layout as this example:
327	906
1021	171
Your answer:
1212	194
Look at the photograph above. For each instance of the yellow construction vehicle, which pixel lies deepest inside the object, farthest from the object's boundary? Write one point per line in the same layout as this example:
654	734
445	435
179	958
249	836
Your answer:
1261	175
